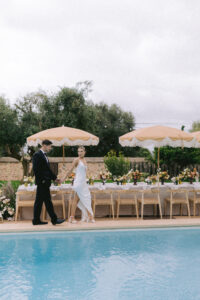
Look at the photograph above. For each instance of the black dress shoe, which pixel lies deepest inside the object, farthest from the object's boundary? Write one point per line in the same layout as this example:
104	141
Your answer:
39	223
58	221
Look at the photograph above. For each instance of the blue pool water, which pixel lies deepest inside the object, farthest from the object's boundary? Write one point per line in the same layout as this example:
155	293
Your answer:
111	265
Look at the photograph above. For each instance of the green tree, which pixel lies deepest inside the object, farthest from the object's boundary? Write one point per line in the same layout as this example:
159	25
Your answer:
68	106
170	156
195	126
71	107
10	132
108	123
32	110
39	111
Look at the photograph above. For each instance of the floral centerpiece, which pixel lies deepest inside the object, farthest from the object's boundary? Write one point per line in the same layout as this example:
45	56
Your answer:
123	179
152	179
28	180
135	175
196	174
104	175
189	175
177	179
90	180
120	179
6	211
148	180
71	178
117	179
163	176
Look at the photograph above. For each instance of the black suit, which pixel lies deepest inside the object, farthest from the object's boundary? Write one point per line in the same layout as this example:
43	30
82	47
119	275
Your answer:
43	177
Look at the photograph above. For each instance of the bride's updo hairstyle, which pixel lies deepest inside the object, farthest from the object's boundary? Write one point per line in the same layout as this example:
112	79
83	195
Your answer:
82	148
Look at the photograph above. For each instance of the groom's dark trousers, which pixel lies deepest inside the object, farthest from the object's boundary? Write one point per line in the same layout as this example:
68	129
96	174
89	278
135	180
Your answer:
43	177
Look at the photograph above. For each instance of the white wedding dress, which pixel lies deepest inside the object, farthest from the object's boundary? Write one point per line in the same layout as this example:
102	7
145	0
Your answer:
81	188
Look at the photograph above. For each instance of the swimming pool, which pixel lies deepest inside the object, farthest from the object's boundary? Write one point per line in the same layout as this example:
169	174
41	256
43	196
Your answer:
115	264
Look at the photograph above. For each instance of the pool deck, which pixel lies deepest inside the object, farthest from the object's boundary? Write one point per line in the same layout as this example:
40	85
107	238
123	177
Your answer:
123	223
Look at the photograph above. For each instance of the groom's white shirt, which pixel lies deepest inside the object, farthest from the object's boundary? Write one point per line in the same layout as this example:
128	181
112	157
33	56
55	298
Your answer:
45	155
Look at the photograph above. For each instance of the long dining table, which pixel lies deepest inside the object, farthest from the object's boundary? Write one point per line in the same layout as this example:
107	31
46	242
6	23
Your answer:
114	188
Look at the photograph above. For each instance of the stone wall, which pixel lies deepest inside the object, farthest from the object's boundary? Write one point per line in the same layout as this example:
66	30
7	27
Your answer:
95	165
11	169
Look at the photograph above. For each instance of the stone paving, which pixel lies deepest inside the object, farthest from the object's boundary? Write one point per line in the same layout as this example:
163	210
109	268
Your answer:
123	223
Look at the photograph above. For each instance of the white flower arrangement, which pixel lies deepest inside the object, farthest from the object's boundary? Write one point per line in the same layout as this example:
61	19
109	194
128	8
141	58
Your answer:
90	179
6	211
148	180
28	180
177	179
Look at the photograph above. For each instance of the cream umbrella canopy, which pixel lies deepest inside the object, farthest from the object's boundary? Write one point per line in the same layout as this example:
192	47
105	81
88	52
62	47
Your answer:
64	136
196	134
158	136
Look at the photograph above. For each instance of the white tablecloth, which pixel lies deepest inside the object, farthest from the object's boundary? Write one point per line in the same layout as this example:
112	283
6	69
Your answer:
164	191
114	186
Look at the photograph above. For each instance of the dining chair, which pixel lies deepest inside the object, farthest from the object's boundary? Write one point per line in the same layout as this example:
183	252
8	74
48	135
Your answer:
195	200
177	196
69	196
127	197
149	197
102	197
23	199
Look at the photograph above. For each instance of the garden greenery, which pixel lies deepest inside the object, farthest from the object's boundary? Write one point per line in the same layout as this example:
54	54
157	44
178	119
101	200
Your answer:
116	165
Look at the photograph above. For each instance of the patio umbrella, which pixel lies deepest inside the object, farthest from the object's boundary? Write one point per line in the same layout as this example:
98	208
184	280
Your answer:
64	136
157	136
196	134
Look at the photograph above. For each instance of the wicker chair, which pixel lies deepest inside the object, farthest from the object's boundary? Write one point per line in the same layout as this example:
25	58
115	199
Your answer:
125	197
149	197
107	199
177	196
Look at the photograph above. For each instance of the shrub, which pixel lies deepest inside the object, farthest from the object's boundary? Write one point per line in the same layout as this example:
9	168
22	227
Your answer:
116	165
8	192
7	201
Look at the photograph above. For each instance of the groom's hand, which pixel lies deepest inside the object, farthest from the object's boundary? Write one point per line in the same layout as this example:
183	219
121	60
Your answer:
58	181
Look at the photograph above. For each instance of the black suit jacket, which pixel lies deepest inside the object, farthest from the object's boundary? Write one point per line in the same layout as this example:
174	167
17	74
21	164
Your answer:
41	168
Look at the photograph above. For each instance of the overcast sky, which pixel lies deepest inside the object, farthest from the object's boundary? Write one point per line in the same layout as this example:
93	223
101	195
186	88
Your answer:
141	54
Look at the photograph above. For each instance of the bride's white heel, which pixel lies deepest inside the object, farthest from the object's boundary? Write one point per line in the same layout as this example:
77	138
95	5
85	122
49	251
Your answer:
91	220
84	220
72	220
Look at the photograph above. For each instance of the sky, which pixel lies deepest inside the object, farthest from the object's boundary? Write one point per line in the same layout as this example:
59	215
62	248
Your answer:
143	55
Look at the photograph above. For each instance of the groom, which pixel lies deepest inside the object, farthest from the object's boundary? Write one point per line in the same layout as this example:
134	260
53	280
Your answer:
43	177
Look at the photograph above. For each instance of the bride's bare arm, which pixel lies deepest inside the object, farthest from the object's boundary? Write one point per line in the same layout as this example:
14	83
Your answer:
74	165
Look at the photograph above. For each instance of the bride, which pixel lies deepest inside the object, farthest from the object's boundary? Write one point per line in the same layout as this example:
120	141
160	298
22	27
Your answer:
81	188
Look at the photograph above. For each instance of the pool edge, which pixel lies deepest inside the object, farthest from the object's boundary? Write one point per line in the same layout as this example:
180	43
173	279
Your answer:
29	230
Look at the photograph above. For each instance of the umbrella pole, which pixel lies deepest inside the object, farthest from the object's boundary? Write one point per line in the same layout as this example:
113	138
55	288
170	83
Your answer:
63	153
158	159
